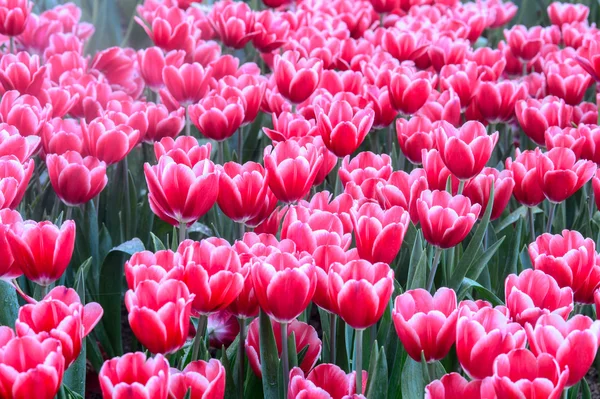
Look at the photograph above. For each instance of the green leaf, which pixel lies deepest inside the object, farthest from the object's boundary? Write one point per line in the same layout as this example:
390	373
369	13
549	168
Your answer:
468	258
80	278
513	217
10	305
269	357
201	229
157	243
377	383
412	382
229	382
586	393
91	216
467	284
509	258
417	269
292	351
74	377
188	393
395	381
482	261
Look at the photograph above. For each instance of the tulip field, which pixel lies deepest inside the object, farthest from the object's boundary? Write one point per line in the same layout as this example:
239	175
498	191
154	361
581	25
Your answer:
299	199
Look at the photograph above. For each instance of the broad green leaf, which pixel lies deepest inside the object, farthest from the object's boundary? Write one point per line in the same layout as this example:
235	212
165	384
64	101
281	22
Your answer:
10	305
377	382
586	393
417	269
484	292
481	262
74	377
80	278
513	217
157	243
269	357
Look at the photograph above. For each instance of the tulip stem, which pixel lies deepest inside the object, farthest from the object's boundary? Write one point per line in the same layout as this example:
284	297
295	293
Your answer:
11	44
242	230
461	186
127	210
182	232
187	121
241	144
524	68
531	223
591	204
220	152
68	213
551	217
285	362
434	266
241	358
202	322
358	341
332	336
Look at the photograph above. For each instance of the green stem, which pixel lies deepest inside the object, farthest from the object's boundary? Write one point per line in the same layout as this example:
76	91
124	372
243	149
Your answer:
461	186
591	203
241	132
202	323
69	213
187	121
43	291
125	176
332	336
551	217
285	358
182	232
242	230
11	45
220	152
129	26
434	266
241	357
531	223
358	342
524	68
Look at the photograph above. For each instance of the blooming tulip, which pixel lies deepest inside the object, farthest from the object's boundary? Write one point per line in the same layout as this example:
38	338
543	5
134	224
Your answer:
297	77
478	190
454	385
364	166
184	150
108	141
148	266
188	83
217	117
326	381
14	178
565	13
9	220
201	379
152	61
528	184
414	136
14	16
408	91
535	117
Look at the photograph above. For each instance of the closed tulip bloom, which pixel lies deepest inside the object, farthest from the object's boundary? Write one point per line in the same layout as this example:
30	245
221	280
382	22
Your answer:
528	184
495	101
297	77
590	149
436	172
466	150
187	84
306	337
14	15
151	62
524	44
31	368
360	291
222	328
454	385
291	169
562	174
14	178
245	304
65	135
212	273
364	166
343	129
22	72
570	259
483	335
134	376
565	13
108	141
314	229
160	266
534	293
179	193
403	189
446	220
442	107
426	324
535	117
184	150
159	314
414	136
60	315
446	51
478	190
572	343
326	381
88	172
203	380
162	123
24	112
170	29
567	82
271	31
234	23
379	233
408	91
569	137
217	117
243	189
12	143
42	250
9	220
520	372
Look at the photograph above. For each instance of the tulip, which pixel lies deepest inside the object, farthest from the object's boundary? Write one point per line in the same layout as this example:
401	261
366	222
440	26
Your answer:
62	136
314	229
23	112
572	343
222	328
296	77
528	184
343	129
170	29
436	172
567	82
212	274
446	51
534	293
245	304
364	166
479	188
14	15
454	385
272	277
217	117
465	151
42	250
379	102
108	141
496	101
404	45
425	324
535	117
178	193
442	107
561	174
520	372
408	91
88	172
31	368
148	266
524	44
403	190
14	178
133	374
568	137
162	123
271	31
291	169
462	80
483	335
596	188
60	315
12	143
183	149
9	220
379	233
565	13
326	381
288	126
152	61
306	337
233	23
22	72
201	379
570	259
187	84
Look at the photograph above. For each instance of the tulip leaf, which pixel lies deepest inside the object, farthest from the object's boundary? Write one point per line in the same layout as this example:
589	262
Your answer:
573	392
468	258
80	279
10	305
482	260
292	351
200	228
417	269
188	393
93	237
509	258
74	377
513	217
395	382
412	384
377	381
484	292
586	393
157	243
229	382
269	357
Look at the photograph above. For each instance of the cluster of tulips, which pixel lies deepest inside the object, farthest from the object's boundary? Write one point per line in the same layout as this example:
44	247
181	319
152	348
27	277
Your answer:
383	172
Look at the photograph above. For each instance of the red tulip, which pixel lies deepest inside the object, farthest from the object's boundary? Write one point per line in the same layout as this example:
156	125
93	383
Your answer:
436	172
561	174
147	266
287	126
462	79
454	385
108	141
534	293
12	143
250	88
478	190
42	250
89	172
212	273
496	101
162	123
60	136
217	117
465	151
565	13
528	184
14	178
14	15
9	220
408	90
203	380
573	343
426	324
187	84
22	72
326	381
524	44
364	166
521	373
404	45
483	335
590	149
403	190
343	130
291	169
152	60
311	230
447	51
569	137
60	315
245	304
24	112
234	23
222	328
297	77
570	259
567	82
184	150
379	233
271	31
360	291
379	101
596	188
30	368
134	376
446	220
306	337
490	63
170	29
179	193
159	314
